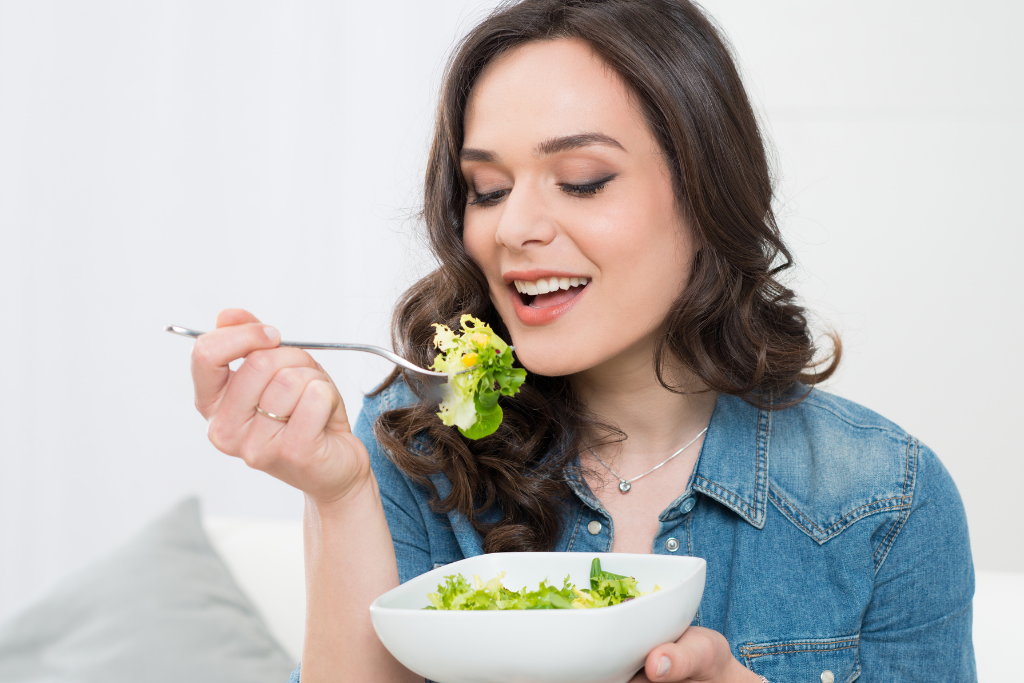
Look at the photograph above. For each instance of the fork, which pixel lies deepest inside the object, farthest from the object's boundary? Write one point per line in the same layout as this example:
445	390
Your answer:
367	348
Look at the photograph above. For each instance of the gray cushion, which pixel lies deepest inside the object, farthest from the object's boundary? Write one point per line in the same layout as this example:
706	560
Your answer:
163	607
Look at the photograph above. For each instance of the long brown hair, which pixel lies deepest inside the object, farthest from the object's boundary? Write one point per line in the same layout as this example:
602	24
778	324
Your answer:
736	327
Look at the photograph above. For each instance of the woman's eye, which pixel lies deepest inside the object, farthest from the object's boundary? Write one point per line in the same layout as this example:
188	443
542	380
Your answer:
580	190
488	198
586	189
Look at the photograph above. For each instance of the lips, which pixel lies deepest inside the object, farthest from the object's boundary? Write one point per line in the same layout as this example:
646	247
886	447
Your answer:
543	309
555	298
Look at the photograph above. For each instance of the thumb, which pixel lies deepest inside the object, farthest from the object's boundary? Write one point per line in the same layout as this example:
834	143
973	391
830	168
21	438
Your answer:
235	316
669	664
695	655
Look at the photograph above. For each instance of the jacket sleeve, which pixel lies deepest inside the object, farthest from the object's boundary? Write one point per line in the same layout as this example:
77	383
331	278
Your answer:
403	500
918	623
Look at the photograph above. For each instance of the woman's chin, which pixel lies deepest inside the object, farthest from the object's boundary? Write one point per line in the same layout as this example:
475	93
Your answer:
550	365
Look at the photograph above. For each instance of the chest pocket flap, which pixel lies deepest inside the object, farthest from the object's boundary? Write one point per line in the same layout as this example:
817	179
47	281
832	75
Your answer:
821	660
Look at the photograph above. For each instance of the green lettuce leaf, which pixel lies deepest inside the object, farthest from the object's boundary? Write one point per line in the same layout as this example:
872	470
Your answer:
456	593
479	368
606	589
610	589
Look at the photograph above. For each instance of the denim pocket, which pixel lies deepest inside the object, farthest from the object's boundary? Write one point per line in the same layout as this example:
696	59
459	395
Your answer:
826	660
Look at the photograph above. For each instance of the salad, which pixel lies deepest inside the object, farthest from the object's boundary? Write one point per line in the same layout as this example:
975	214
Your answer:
479	368
606	589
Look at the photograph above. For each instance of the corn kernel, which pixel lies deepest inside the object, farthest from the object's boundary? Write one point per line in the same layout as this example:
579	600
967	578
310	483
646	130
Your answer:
469	360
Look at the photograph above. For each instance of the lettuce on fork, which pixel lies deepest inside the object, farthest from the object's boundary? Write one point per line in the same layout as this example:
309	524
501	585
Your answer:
479	368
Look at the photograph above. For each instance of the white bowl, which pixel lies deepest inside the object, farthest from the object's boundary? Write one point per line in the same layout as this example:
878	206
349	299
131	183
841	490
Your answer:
602	645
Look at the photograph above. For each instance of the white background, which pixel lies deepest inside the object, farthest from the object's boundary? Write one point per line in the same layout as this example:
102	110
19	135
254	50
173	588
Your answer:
161	161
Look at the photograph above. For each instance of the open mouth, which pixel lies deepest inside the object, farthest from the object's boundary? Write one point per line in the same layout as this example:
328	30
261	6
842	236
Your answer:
549	292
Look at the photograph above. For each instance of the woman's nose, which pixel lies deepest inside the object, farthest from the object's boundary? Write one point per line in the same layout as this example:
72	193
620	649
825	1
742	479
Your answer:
526	220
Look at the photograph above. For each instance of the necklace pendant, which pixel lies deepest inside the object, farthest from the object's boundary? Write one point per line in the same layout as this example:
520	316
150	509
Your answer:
624	486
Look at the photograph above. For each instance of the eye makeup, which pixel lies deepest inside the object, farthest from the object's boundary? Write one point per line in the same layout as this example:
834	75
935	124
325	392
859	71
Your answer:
581	190
587	189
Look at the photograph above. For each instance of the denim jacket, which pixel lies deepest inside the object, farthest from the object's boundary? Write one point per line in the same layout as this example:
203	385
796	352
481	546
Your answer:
835	542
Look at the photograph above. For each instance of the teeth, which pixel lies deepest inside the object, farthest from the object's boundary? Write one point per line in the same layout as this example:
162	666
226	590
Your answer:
553	284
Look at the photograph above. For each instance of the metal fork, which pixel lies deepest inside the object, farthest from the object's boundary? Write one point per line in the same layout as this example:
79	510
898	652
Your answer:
367	348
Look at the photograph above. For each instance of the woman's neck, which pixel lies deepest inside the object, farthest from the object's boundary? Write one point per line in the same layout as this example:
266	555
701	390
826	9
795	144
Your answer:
624	392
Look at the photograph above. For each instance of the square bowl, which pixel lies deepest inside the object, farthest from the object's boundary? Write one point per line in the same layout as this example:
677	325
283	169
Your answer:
602	645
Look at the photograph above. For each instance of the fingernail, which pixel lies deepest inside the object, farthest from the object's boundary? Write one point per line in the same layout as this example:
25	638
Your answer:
663	666
272	334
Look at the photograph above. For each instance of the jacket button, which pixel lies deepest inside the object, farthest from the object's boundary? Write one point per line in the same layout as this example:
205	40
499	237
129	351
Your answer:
594	527
672	545
687	505
827	676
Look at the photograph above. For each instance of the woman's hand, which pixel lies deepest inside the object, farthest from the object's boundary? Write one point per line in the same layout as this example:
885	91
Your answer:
700	654
314	450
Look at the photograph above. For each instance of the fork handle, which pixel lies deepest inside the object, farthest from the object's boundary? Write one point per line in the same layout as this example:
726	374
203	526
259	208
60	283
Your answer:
366	348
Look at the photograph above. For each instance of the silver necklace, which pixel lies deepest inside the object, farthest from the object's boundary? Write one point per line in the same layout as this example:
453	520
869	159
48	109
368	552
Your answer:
626	484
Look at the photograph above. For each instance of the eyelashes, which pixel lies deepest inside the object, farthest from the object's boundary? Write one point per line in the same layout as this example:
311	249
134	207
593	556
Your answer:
583	190
587	190
488	199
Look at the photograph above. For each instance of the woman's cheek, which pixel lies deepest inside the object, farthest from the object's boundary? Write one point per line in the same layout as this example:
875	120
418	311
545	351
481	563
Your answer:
476	242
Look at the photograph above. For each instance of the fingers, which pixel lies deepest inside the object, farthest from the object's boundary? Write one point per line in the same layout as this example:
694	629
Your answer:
314	409
278	371
285	372
700	654
309	400
212	353
304	396
235	316
282	394
303	452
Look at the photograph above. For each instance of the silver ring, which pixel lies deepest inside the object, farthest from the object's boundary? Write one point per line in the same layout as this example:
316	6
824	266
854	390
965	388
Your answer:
279	418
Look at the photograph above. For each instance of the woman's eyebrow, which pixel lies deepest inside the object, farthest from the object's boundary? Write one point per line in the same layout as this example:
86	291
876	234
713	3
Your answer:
563	144
548	147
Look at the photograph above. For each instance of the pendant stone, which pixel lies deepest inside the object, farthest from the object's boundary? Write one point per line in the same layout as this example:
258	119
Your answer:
624	486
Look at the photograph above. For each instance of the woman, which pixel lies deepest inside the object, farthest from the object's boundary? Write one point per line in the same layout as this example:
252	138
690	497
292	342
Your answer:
598	192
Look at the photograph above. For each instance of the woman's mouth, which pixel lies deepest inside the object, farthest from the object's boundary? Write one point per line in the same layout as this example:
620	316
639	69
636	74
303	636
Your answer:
540	301
550	291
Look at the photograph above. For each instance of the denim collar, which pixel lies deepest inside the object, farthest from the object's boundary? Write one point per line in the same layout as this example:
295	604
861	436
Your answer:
732	466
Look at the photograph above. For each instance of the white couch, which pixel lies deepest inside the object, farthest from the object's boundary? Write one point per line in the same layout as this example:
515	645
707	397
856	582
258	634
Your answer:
265	558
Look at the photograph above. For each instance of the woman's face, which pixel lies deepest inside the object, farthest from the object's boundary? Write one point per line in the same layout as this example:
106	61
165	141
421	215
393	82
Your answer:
571	213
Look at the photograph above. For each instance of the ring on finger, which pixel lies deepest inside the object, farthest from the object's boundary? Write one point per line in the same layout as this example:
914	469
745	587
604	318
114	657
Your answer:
279	418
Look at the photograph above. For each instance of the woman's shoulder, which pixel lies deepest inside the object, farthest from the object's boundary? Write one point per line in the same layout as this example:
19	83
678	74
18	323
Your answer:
394	484
392	394
833	462
389	395
826	429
